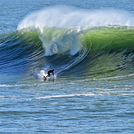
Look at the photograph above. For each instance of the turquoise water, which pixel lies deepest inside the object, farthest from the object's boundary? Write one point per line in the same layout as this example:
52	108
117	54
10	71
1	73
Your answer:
90	44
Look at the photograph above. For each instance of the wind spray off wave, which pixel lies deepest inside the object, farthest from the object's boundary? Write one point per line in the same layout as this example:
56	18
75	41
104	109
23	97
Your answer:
63	16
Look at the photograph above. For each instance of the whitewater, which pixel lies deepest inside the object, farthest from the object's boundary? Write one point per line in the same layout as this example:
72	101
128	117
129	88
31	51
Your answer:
91	47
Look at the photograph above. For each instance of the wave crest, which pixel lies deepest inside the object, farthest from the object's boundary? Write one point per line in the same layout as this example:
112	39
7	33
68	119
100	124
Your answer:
64	16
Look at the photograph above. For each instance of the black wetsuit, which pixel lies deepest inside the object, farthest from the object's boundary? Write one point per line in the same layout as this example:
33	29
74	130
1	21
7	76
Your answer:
50	71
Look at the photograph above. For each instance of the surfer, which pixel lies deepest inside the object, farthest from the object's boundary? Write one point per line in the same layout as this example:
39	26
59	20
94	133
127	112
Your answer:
49	72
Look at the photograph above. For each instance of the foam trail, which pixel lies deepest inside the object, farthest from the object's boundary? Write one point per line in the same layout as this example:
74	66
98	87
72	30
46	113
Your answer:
41	74
64	96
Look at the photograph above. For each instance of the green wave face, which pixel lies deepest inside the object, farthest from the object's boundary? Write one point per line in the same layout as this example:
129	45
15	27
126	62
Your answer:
112	51
110	38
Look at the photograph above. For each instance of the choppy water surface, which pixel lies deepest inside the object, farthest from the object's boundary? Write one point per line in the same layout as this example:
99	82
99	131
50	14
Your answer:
77	106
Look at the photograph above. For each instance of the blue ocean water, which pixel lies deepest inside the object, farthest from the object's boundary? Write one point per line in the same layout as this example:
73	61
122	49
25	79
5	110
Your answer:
90	44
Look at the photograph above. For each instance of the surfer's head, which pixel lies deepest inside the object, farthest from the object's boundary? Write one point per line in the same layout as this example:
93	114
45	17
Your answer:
53	69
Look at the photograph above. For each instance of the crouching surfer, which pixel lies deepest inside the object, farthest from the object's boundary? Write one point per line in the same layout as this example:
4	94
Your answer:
49	72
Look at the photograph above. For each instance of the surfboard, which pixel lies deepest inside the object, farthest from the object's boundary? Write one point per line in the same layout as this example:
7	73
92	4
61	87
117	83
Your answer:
49	78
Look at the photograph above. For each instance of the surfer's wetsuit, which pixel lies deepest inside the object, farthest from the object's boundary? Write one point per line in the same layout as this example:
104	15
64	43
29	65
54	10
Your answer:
50	71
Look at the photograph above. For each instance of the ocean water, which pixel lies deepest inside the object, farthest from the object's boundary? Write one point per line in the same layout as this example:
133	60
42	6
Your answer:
90	44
